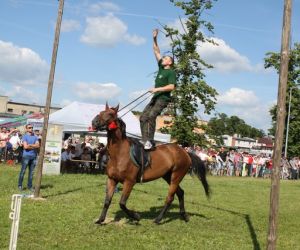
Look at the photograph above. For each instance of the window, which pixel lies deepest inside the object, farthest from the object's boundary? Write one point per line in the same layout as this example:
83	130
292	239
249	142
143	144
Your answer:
24	112
10	110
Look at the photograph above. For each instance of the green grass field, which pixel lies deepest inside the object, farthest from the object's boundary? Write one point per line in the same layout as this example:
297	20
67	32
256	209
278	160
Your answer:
236	217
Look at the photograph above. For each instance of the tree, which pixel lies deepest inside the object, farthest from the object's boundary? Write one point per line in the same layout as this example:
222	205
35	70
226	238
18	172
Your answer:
191	87
272	60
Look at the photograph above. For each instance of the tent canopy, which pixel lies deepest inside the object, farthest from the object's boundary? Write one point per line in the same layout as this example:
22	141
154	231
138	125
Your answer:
78	116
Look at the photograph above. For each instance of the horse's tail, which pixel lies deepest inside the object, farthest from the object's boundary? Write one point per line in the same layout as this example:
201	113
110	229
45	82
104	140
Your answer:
198	168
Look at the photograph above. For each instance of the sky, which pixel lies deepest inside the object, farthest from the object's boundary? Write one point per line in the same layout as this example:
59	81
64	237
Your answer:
105	52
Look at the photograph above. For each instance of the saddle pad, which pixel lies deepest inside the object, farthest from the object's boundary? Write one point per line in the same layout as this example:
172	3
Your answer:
138	155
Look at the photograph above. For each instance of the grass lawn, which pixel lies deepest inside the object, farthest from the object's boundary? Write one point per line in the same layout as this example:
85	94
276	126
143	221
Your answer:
236	217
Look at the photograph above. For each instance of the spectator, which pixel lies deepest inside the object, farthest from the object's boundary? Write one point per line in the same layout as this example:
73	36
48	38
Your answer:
15	140
4	138
238	163
30	146
230	162
294	168
86	156
222	160
79	150
249	165
65	159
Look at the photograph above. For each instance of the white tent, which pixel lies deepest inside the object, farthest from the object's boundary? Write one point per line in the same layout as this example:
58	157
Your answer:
78	116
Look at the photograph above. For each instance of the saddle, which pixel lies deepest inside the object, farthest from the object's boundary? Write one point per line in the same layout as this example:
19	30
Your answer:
140	157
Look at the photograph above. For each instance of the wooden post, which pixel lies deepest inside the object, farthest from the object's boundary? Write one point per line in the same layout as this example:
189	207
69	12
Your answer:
48	102
281	113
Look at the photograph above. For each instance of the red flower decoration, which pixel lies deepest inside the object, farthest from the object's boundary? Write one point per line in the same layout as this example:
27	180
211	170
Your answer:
112	125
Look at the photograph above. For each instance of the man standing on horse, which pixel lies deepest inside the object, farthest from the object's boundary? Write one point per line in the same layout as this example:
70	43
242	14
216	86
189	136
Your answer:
165	82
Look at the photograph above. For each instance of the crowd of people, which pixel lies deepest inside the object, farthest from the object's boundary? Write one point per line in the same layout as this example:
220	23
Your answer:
20	147
11	144
90	155
235	163
83	156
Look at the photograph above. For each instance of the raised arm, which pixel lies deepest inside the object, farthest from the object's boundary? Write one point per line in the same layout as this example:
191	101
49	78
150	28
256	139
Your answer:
155	45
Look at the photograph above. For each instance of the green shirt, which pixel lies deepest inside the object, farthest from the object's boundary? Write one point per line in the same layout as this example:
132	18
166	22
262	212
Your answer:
164	77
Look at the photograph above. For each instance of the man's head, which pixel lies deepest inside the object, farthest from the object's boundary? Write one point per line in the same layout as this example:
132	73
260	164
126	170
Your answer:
29	128
167	61
3	129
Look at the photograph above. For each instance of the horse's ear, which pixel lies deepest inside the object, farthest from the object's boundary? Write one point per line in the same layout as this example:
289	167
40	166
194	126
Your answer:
116	108
106	106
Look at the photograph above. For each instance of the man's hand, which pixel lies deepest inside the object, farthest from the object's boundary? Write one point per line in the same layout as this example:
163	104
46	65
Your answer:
155	33
153	90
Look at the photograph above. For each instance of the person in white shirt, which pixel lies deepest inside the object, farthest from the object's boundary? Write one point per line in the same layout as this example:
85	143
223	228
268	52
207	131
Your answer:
15	140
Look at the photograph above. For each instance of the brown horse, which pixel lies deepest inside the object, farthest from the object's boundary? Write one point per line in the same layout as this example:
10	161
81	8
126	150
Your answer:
169	161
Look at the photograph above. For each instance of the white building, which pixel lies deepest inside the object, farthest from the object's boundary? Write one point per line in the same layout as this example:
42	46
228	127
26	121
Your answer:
248	144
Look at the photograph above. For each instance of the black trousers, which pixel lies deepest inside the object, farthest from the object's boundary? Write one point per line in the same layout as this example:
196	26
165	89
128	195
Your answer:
149	115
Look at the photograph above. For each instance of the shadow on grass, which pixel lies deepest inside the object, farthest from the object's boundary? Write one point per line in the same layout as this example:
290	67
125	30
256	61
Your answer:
71	191
247	218
153	213
45	186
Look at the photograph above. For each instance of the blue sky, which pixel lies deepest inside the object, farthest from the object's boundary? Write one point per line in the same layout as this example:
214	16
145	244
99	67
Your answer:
105	51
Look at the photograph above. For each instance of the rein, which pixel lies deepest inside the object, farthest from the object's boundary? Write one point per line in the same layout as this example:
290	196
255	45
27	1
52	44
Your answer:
136	104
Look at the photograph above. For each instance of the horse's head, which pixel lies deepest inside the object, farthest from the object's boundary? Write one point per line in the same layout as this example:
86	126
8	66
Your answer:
106	119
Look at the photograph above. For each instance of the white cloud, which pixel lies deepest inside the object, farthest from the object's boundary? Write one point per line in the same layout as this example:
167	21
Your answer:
136	94
65	102
95	91
223	57
69	25
246	105
107	31
104	6
134	39
21	65
23	94
238	97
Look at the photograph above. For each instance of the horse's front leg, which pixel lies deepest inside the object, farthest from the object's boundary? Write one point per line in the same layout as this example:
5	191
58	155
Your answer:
127	188
110	189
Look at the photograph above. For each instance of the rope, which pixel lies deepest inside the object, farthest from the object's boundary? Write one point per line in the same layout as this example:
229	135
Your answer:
134	100
135	105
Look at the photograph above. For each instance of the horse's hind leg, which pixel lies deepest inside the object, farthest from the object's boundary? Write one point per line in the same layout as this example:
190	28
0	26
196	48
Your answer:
172	190
127	188
180	195
111	185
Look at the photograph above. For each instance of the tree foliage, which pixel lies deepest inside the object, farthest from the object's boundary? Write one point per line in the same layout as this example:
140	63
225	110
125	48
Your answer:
224	125
191	89
272	60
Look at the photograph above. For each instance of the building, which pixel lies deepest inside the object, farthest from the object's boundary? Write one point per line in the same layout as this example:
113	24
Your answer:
262	145
10	108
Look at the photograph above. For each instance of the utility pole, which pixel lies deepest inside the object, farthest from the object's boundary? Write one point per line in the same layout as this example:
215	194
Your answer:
281	113
48	102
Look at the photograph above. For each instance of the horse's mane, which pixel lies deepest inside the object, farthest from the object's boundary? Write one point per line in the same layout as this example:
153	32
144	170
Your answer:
122	127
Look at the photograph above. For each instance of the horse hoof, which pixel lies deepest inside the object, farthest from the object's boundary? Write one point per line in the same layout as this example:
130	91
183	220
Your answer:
185	217
99	222
157	221
136	216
